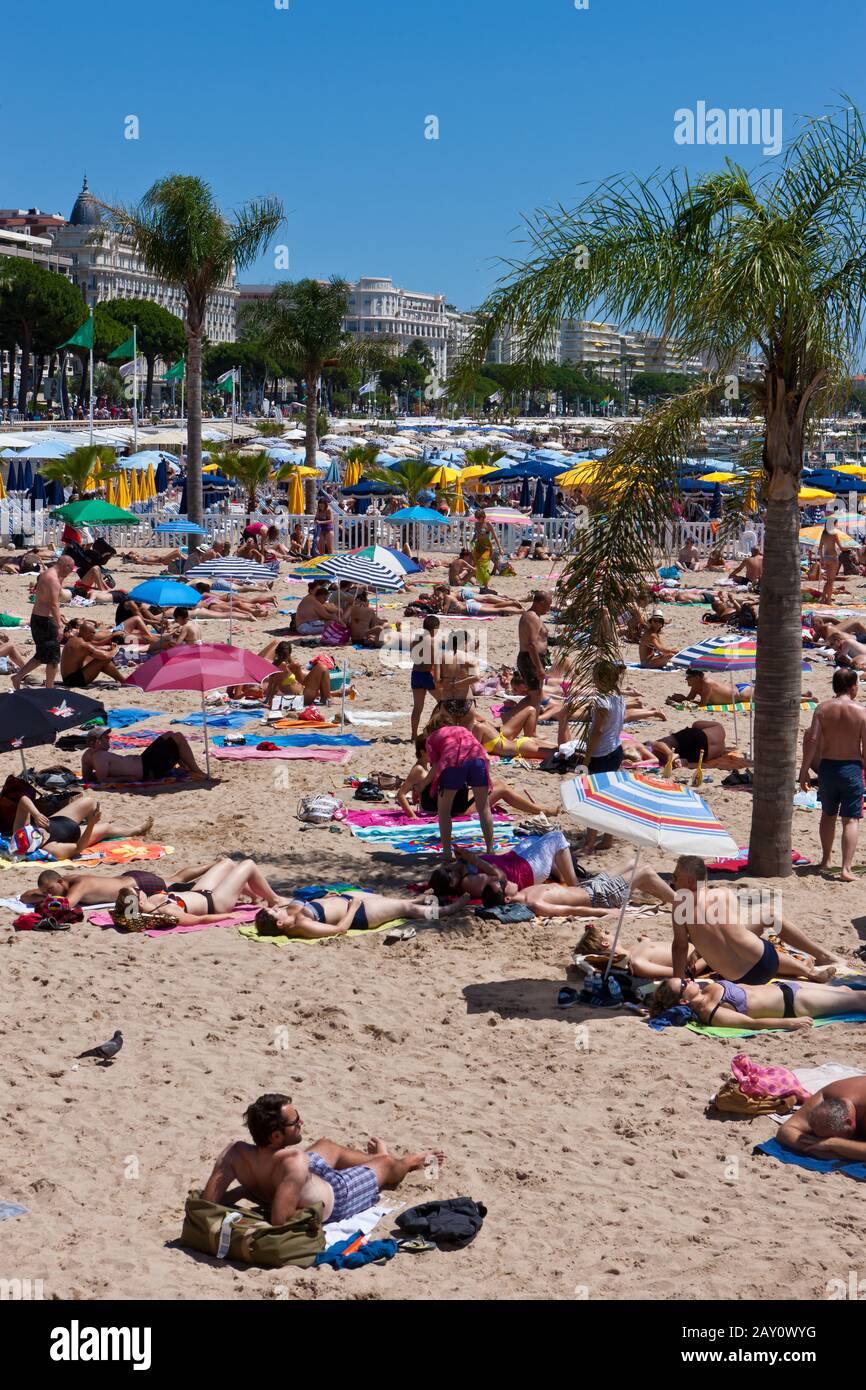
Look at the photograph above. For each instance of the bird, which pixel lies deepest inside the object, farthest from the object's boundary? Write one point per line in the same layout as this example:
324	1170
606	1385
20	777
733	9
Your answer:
107	1050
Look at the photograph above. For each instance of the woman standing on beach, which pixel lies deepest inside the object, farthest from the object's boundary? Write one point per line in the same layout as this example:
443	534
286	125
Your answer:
458	761
483	543
424	669
323	522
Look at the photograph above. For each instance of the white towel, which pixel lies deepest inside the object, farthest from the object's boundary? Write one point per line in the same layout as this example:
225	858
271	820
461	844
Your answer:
365	1221
15	905
814	1079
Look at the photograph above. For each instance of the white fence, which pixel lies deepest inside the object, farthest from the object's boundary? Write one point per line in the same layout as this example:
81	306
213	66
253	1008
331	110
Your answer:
33	525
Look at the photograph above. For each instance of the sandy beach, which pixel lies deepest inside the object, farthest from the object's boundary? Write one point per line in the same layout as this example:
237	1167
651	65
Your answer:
602	1174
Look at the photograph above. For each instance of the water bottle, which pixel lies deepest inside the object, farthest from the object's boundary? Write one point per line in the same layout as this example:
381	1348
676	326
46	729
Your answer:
614	992
592	988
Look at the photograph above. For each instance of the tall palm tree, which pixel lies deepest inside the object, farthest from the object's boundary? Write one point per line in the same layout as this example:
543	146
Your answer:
182	237
731	261
250	470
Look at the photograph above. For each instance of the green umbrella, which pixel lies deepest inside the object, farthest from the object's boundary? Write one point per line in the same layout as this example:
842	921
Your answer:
96	512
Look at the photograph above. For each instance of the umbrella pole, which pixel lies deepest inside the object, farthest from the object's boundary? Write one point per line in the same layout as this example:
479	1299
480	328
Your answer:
751	716
343	698
206	742
23	762
621	915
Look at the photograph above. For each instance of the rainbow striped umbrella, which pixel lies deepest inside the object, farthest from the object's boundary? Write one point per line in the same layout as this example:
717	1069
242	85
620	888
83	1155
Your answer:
647	812
724	652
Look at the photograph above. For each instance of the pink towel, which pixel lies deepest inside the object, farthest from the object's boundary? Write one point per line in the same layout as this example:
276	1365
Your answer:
754	1080
392	816
315	755
234	919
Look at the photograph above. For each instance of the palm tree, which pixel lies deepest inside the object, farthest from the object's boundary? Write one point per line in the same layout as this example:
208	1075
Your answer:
74	469
409	475
721	265
182	237
250	470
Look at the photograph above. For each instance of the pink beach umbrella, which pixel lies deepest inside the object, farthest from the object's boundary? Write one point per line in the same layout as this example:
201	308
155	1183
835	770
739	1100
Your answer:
207	666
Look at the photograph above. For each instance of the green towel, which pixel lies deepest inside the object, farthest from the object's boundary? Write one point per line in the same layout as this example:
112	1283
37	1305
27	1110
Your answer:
712	1032
251	932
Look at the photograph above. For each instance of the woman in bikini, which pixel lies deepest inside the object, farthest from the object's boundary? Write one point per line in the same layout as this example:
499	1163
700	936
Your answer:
337	913
323	522
291	679
209	898
788	1004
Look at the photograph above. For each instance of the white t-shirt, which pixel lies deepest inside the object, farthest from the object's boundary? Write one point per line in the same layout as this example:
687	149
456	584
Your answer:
610	714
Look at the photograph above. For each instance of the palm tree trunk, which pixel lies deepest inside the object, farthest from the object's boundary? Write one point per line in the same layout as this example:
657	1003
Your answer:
38	374
195	506
780	653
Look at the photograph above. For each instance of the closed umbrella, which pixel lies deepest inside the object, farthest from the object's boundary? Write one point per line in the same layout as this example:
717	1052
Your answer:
538	499
123	496
207	666
550	511
2	490
296	495
30	718
716	504
161	479
525	499
646	812
37	492
13	477
150	481
183	499
459	508
25	475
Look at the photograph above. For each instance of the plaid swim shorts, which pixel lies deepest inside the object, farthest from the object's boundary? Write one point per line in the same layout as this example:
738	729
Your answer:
355	1189
606	890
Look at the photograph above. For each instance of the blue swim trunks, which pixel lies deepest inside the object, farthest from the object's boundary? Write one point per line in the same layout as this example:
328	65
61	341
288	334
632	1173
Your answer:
840	788
765	969
355	1189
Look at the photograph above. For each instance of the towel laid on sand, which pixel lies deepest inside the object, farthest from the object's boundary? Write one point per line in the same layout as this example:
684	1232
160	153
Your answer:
312	739
231	919
729	709
235	720
365	1222
119	718
110	852
314	755
714	1032
636	666
251	932
393	816
737	864
774	1149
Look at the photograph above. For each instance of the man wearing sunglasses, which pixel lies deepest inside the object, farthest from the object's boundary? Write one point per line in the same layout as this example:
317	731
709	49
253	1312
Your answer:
275	1172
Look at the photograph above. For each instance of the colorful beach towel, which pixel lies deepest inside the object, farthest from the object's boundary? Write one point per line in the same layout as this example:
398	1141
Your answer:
312	739
172	780
743	708
714	1032
738	864
774	1149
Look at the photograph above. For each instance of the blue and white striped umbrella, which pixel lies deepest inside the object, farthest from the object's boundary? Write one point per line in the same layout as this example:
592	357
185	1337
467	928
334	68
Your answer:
234	567
354	569
648	812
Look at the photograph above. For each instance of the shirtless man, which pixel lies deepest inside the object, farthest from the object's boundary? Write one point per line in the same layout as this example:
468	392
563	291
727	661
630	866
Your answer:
45	622
830	548
275	1172
707	690
364	623
836	741
848	650
831	1124
83	659
711	919
596	896
750	570
532	638
185	632
313	613
86	890
689	555
152	764
461	568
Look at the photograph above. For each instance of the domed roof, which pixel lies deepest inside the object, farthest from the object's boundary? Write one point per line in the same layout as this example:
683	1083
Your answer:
86	212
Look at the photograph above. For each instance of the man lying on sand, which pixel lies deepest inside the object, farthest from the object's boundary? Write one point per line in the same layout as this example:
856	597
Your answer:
274	1172
496	878
335	913
711	918
705	736
832	1123
152	764
705	689
592	897
85	890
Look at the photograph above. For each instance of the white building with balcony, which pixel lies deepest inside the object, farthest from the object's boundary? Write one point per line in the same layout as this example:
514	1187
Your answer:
378	308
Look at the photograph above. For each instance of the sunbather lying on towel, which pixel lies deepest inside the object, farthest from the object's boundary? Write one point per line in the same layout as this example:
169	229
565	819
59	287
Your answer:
646	959
497	878
832	1122
720	926
85	890
76	828
705	689
593	897
209	898
152	764
275	1172
705	736
334	914
786	1005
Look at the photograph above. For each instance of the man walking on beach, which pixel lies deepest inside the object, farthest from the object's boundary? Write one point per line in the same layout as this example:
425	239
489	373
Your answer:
532	659
836	742
45	622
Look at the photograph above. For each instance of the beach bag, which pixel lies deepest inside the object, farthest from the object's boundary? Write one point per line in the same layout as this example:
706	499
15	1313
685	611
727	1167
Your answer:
230	1233
336	634
10	794
730	1099
319	808
669	572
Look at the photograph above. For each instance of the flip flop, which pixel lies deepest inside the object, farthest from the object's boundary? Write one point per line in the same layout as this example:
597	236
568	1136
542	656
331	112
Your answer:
415	1245
399	934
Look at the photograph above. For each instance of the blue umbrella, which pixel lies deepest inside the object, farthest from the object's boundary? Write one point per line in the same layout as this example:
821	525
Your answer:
12	483
538	499
166	593
37	492
50	449
148	456
407	514
55	496
524	494
529	468
25	477
183	502
716	504
550	511
370	487
161	476
333	473
180	527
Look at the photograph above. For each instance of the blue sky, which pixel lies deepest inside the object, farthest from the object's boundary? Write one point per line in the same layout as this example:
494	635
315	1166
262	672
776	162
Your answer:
324	104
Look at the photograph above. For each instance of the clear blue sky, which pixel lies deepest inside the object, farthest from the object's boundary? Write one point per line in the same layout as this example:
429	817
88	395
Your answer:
324	104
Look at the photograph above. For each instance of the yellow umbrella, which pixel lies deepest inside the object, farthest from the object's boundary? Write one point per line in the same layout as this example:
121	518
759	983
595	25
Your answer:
123	497
751	504
301	471
444	475
353	473
459	504
296	495
718	477
580	475
111	492
856	469
2	490
814	494
151	481
476	471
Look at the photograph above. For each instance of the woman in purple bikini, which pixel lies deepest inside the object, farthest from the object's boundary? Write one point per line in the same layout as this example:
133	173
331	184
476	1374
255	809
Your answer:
786	1004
